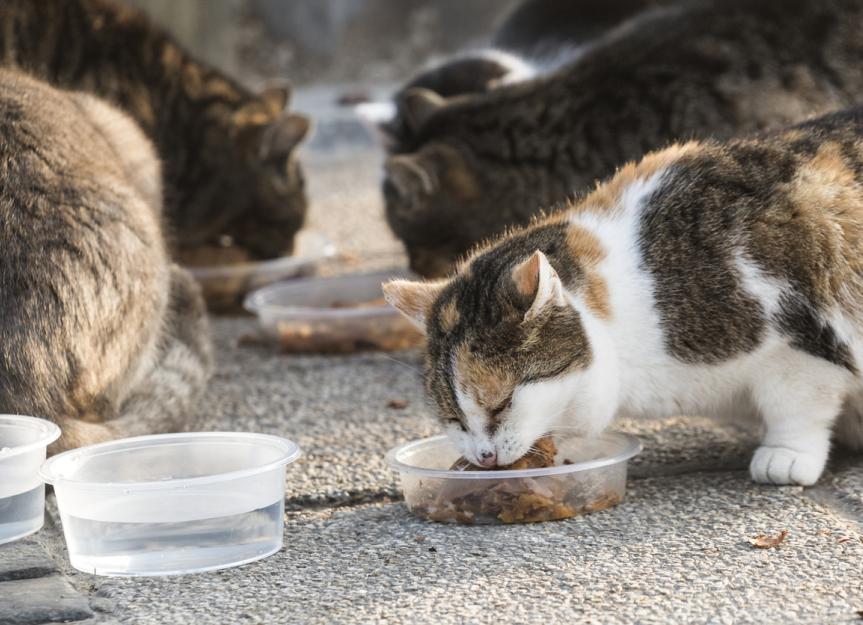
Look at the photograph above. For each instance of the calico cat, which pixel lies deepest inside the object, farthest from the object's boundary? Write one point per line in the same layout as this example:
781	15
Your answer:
718	278
716	69
537	37
230	166
100	332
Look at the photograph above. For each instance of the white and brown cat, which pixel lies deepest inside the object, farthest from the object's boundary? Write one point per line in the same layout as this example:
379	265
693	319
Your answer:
710	278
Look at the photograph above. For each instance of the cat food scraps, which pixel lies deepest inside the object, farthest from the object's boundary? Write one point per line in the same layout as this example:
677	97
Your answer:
766	541
541	455
348	334
516	500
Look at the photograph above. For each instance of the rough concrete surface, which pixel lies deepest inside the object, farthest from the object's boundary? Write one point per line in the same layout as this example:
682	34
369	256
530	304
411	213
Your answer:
675	551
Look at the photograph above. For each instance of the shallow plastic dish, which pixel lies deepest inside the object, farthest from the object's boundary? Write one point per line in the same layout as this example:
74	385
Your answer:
23	445
224	286
333	315
172	503
589	475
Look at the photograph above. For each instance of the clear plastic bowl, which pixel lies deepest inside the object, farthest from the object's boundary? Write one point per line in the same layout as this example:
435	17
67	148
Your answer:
172	503
224	286
589	475
23	445
333	315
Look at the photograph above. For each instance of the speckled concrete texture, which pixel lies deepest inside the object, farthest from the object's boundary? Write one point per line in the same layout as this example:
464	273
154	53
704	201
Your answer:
675	551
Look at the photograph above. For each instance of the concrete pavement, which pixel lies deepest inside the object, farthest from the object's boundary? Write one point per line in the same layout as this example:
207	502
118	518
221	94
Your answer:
675	551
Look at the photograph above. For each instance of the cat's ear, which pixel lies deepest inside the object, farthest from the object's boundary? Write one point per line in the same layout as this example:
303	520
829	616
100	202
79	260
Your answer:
413	299
276	97
378	118
537	281
280	138
418	105
412	176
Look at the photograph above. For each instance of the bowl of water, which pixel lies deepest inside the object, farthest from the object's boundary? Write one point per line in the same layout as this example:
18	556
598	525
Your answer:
584	475
23	445
170	504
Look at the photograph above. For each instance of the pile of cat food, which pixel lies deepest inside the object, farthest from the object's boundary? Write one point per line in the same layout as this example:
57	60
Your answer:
516	499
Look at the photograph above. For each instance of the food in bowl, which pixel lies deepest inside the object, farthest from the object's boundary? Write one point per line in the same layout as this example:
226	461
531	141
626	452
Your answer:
227	274
580	476
336	315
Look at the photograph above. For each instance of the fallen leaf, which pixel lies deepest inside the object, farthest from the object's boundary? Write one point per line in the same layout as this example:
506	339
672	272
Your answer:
397	404
763	541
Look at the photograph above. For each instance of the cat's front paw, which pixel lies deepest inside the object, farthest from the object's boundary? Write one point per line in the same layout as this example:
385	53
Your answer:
780	465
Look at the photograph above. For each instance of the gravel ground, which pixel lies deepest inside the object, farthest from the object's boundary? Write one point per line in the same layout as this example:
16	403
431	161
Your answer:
675	551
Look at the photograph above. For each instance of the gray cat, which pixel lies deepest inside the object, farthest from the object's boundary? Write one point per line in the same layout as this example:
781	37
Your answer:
479	163
100	332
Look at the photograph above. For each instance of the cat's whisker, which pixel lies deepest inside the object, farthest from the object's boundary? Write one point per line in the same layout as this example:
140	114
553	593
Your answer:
403	364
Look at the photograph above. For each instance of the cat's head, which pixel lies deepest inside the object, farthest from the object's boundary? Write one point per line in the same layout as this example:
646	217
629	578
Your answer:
511	352
444	197
471	73
248	187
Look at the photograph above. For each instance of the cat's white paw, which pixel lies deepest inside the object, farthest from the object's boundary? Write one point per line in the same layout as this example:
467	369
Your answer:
780	465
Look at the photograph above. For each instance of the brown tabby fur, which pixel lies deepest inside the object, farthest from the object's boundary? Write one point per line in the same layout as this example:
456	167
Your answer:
229	157
101	333
706	69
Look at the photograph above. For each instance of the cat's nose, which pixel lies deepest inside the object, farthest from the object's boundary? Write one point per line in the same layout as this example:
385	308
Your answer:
487	458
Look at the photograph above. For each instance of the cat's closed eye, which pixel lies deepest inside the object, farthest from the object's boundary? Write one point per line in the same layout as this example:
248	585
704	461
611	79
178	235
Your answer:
457	423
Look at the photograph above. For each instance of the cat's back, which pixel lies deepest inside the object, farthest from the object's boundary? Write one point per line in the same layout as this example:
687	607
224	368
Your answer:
66	142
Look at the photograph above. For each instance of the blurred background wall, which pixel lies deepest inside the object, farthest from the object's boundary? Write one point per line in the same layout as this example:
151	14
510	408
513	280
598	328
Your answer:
323	41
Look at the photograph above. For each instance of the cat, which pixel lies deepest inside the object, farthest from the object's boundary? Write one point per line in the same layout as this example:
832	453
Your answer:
101	332
536	37
710	278
483	162
230	165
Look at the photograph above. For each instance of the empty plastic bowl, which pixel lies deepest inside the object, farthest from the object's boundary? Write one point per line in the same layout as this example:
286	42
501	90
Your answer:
23	444
224	286
172	503
589	475
332	315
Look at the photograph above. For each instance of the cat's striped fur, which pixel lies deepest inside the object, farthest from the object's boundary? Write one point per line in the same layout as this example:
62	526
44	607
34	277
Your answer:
229	156
706	69
98	330
713	278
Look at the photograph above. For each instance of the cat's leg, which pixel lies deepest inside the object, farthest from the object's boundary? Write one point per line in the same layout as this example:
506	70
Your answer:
800	398
164	395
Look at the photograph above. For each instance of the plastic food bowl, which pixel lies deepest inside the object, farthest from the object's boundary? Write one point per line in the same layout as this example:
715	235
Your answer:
589	475
172	503
224	286
333	315
23	445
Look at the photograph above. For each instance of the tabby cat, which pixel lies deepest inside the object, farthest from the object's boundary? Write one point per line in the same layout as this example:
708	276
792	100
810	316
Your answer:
100	332
230	166
717	278
717	69
538	36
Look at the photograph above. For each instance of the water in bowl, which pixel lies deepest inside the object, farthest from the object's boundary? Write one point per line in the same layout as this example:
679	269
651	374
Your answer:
21	514
112	547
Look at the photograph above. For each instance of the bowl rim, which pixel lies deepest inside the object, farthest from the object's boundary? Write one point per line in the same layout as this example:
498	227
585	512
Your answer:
324	249
255	301
49	430
631	446
291	451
